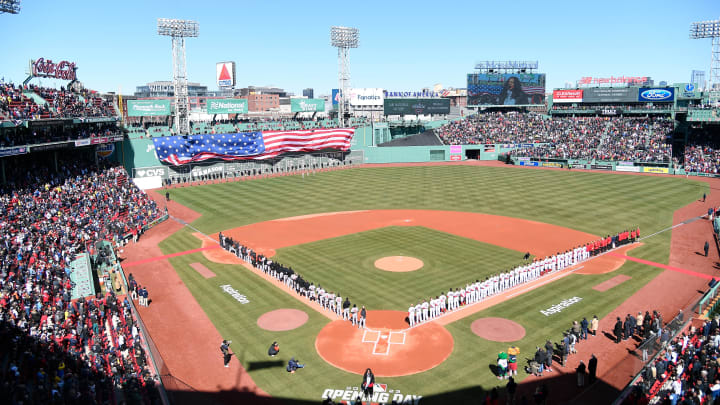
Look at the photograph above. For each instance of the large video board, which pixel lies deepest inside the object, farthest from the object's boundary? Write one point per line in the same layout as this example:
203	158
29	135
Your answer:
506	88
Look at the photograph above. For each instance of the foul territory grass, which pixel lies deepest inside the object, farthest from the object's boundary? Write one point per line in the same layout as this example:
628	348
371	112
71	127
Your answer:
346	265
597	203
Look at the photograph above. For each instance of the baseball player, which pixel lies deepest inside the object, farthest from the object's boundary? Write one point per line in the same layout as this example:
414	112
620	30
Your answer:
418	313
346	309
338	305
443	303
363	315
425	310
354	314
433	308
411	315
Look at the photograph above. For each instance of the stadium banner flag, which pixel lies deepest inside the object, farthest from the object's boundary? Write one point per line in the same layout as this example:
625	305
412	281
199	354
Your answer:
656	94
659	170
180	150
455	157
416	106
506	88
610	95
567	96
307	105
148	108
227	106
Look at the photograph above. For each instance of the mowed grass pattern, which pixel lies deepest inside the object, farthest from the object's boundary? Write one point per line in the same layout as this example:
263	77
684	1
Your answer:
597	203
346	265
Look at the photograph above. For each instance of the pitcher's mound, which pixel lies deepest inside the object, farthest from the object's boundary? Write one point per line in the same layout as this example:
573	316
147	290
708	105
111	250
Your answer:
281	320
398	263
498	329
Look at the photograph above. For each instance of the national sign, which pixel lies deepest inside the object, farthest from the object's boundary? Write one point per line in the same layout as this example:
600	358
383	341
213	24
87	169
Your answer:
179	150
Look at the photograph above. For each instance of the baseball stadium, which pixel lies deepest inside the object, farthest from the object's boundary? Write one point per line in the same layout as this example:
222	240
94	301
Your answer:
500	243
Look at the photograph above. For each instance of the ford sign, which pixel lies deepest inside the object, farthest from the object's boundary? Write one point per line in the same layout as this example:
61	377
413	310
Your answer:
656	95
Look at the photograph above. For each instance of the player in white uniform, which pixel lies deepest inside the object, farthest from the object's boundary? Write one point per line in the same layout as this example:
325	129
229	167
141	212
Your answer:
354	314
338	305
411	315
418	313
425	310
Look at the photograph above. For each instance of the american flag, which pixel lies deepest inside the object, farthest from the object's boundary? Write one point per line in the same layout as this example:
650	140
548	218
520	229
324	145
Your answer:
179	150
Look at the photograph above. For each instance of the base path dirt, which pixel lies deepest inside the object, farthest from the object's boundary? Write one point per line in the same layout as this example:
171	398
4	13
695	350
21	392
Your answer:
281	320
384	345
613	282
202	270
399	264
498	329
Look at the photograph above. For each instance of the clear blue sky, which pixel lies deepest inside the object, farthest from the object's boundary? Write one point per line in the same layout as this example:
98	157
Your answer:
404	45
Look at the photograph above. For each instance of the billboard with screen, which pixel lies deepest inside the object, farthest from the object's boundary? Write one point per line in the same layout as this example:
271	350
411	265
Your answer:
307	105
650	95
148	108
227	106
416	106
567	96
506	88
610	95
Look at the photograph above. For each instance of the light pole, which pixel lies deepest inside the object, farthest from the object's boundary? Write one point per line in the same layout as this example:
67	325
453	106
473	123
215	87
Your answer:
9	6
710	29
344	38
178	30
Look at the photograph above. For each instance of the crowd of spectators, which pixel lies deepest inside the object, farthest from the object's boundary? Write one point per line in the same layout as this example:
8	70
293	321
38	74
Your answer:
686	371
54	349
595	107
602	138
22	135
702	152
59	103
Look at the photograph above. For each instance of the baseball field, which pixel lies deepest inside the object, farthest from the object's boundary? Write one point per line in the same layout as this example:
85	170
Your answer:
463	222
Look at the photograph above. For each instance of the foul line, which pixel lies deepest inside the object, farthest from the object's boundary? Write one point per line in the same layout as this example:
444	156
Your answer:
662	266
154	259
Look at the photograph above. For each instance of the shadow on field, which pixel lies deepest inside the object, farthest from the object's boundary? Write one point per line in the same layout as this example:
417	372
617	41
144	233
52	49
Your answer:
560	389
259	365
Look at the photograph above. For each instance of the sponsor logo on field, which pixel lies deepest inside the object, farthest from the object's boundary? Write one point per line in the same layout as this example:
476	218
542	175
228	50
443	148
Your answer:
235	294
381	395
562	305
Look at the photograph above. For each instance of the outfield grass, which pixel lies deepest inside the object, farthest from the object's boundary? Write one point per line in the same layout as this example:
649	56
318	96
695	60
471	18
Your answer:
597	203
345	265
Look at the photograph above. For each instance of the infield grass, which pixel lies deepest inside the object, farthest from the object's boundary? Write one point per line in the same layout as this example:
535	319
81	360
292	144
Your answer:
597	203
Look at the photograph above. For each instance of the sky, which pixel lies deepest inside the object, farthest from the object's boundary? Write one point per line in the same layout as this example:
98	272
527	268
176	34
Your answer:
404	46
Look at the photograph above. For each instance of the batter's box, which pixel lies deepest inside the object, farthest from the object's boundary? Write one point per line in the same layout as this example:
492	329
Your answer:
383	340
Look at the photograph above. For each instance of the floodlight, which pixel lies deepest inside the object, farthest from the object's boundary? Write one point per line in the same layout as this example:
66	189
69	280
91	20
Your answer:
9	6
710	29
177	28
344	38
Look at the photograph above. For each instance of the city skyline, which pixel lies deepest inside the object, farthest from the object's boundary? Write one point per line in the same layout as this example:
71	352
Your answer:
403	46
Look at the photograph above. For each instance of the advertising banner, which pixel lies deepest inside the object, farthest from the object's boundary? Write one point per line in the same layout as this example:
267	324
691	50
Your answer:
335	96
656	94
455	157
366	97
150	172
505	88
634	169
227	106
610	111
552	164
82	142
455	148
307	105
416	106
148	108
13	151
567	96
601	167
660	170
225	74
527	163
610	95
688	91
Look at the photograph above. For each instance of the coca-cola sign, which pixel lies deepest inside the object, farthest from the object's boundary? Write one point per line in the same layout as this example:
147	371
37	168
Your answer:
47	68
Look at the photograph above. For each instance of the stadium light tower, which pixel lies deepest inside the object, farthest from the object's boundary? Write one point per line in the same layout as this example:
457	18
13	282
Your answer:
344	38
178	30
710	29
9	6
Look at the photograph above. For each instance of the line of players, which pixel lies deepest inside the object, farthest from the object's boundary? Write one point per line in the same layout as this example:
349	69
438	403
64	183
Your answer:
328	300
428	309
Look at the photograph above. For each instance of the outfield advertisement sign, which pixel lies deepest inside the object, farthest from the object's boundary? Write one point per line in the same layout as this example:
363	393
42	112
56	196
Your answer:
528	163
552	164
610	95
601	167
150	172
307	105
148	108
662	94
505	88
227	106
366	97
688	91
416	106
455	157
658	170
455	148
567	96
634	169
